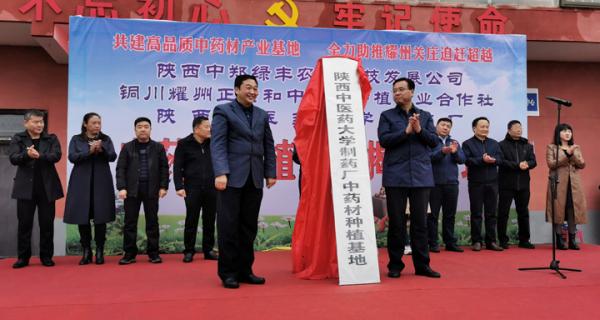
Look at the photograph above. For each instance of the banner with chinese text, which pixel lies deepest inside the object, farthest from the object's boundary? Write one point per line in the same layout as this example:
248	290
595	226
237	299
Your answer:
350	183
171	72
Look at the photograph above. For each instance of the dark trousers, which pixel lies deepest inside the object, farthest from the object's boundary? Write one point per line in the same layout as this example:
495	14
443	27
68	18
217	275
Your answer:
237	224
505	199
196	200
396	204
85	234
444	197
132	213
25	215
484	201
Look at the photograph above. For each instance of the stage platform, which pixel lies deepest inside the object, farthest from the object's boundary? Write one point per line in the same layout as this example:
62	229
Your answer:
474	285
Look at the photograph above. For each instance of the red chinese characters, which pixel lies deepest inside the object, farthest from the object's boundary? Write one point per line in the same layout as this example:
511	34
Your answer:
394	15
39	8
97	9
149	9
492	21
285	165
349	15
375	153
168	143
200	13
444	19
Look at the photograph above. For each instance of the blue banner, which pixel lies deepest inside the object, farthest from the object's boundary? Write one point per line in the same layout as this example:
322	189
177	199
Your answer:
171	72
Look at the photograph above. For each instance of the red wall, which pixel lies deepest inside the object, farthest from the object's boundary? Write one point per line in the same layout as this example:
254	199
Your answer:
577	82
29	78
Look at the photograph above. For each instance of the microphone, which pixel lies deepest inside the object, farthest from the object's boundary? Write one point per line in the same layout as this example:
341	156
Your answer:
560	101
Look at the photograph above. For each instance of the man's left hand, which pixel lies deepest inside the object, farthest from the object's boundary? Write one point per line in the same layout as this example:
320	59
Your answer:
271	182
162	193
523	165
416	123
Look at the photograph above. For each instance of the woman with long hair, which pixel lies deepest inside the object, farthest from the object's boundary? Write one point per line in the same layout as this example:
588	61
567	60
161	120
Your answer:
570	204
91	192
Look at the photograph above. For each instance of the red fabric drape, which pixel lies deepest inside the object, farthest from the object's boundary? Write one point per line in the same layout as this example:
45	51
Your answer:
313	240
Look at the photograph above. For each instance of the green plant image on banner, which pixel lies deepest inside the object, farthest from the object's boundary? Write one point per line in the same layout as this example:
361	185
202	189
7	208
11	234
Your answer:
274	232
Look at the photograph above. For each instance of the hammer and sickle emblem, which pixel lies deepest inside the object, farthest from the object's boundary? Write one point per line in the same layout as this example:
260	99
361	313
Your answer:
276	9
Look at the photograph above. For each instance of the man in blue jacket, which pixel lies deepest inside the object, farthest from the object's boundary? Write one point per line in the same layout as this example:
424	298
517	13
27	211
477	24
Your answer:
483	155
243	154
445	159
407	134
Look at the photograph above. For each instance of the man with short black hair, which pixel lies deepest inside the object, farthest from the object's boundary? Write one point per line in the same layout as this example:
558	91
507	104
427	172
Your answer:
483	155
445	158
408	135
36	185
195	182
243	157
513	183
142	178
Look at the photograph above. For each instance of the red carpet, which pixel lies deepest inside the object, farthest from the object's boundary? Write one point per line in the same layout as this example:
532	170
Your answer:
484	285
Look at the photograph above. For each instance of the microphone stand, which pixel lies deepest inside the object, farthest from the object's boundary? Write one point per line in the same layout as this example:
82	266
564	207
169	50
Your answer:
553	177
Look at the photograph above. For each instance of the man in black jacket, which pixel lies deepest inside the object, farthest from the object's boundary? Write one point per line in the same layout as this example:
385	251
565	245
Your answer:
513	182
483	155
194	181
36	185
142	177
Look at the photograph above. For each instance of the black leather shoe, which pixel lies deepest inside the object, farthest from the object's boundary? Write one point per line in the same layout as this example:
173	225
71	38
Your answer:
86	257
188	257
394	274
434	248
231	283
428	272
127	260
560	242
454	248
155	258
572	242
504	245
47	262
20	263
211	255
476	246
99	254
526	245
252	279
494	247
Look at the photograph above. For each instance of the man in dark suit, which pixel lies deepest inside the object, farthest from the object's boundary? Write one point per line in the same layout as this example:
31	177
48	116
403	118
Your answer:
243	154
445	159
194	180
142	177
483	155
513	183
407	134
36	185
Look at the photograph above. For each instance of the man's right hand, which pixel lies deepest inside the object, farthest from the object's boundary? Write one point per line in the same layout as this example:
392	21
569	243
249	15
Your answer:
181	193
123	194
221	182
488	159
409	127
32	153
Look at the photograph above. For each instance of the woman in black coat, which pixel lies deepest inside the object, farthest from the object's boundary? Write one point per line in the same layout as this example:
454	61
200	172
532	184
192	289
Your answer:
91	194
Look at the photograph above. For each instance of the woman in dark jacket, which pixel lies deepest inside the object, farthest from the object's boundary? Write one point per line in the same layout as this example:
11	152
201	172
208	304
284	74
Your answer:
91	194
